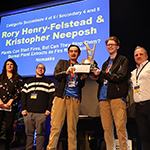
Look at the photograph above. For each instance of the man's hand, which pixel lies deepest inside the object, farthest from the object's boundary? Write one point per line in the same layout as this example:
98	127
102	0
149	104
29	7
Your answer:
47	112
96	71
24	112
70	70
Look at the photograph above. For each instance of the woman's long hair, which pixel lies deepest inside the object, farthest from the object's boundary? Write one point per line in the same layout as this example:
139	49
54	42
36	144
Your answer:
14	72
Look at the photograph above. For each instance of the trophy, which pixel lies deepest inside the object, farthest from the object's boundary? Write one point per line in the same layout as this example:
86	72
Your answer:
90	55
87	64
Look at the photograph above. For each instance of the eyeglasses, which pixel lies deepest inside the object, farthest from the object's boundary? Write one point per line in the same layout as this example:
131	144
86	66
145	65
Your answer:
41	68
110	45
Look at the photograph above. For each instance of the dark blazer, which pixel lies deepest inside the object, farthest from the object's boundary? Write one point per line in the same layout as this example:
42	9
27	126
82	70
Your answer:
117	79
61	76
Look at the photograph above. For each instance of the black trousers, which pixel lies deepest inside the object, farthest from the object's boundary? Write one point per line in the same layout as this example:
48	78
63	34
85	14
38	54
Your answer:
142	116
9	120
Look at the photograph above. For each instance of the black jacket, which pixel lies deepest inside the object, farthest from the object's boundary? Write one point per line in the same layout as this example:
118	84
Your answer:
61	76
117	79
11	89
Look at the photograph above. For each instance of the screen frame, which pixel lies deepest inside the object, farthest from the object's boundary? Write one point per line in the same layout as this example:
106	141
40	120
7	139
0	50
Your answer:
42	6
37	6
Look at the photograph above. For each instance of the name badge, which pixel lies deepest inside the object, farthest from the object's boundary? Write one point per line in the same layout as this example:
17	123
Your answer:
136	89
71	84
33	96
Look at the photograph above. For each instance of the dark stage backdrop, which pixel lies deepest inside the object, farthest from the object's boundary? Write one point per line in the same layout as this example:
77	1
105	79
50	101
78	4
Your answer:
129	21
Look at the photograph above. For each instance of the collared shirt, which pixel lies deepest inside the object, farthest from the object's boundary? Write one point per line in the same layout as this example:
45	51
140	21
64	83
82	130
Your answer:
141	78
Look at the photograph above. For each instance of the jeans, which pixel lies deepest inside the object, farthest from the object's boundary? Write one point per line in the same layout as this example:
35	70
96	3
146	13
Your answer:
35	121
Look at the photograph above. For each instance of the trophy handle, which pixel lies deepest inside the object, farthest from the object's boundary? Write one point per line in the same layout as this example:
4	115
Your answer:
90	50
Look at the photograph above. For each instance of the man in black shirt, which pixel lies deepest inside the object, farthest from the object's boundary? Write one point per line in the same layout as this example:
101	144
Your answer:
67	99
36	99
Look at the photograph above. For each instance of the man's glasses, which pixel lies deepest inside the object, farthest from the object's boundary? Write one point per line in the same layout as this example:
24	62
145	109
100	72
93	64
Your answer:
42	68
110	45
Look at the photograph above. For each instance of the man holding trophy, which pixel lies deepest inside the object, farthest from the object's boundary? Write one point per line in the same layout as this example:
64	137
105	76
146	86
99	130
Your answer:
87	64
112	91
67	99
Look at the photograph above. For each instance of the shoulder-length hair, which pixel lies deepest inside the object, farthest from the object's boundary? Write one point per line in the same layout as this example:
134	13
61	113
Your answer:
14	72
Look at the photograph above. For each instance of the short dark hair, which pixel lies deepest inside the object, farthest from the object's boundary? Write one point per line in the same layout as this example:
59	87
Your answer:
113	38
74	46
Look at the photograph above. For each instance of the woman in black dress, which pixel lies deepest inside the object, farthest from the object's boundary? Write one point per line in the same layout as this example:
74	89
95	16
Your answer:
10	90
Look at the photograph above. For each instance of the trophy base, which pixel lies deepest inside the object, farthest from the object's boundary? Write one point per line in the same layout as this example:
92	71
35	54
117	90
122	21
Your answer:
87	61
82	68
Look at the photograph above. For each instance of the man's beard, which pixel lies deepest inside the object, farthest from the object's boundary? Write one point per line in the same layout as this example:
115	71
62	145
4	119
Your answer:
42	74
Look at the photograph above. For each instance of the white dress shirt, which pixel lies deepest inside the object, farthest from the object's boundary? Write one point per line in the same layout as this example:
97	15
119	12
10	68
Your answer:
141	79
